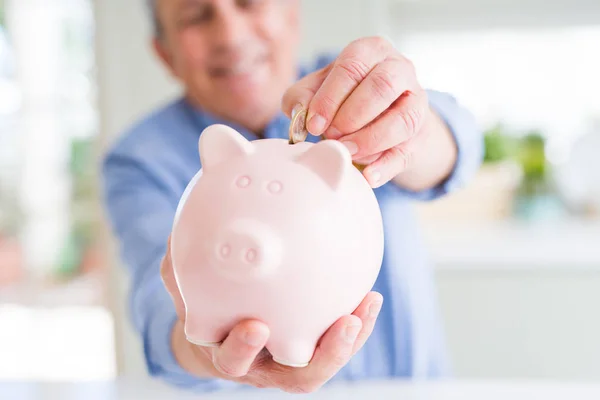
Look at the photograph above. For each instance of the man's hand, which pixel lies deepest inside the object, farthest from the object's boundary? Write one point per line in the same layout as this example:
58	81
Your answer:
242	358
369	99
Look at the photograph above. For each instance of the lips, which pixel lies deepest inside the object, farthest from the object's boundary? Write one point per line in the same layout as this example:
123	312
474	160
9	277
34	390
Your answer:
242	67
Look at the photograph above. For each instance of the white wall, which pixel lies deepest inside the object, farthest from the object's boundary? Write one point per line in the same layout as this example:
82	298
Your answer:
131	81
428	15
539	323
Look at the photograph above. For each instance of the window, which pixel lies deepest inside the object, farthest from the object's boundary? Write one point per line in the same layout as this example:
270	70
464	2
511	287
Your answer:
52	285
543	78
528	72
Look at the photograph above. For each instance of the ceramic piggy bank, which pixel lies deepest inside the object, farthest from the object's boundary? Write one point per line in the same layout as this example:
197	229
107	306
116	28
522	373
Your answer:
290	235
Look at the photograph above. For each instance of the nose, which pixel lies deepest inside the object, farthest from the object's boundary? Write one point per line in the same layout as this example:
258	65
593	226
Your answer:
247	247
230	28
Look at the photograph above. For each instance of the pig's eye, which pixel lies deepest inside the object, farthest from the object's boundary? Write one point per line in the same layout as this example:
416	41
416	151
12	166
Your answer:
243	182
275	187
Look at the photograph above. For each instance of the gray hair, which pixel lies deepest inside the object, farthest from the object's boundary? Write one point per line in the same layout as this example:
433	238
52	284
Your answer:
153	9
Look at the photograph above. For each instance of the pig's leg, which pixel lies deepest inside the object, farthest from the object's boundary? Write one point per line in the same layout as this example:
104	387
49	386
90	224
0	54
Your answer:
203	333
291	353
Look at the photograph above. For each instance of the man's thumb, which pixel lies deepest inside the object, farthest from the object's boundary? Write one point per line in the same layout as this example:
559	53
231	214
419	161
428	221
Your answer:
302	92
168	278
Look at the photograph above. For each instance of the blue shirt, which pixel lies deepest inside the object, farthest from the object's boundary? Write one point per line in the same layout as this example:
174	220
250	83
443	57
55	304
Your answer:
147	170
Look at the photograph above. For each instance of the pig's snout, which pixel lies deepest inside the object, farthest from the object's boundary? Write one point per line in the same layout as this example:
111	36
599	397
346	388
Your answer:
247	246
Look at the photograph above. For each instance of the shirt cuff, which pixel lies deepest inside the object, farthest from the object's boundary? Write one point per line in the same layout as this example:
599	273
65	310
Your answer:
469	145
160	359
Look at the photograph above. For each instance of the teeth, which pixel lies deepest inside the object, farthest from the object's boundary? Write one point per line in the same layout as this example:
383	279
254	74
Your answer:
238	69
241	68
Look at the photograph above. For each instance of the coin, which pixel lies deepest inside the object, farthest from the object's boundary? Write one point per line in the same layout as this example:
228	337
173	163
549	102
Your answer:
359	167
298	132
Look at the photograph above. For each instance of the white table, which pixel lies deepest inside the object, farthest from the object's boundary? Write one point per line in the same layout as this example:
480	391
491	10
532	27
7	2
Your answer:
450	390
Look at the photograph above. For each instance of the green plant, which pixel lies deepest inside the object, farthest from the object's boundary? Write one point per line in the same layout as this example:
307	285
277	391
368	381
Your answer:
83	216
527	149
2	21
532	155
499	145
533	161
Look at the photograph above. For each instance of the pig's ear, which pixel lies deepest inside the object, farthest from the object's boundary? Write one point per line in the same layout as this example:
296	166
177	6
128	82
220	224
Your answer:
329	159
220	143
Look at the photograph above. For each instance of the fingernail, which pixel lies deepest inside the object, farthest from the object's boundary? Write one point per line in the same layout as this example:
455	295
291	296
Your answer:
374	309
374	177
351	333
316	124
351	146
253	338
333	133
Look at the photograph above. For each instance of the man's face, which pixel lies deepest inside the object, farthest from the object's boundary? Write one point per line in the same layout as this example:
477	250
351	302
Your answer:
235	57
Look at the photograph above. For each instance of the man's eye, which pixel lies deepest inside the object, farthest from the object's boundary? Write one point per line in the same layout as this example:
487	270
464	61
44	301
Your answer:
196	17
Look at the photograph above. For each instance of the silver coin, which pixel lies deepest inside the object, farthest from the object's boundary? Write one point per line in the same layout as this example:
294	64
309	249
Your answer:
298	132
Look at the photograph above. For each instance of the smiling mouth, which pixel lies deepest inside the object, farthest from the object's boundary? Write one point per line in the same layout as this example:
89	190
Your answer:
238	69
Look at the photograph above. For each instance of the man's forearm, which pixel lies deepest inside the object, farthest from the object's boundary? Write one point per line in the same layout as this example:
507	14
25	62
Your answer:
432	166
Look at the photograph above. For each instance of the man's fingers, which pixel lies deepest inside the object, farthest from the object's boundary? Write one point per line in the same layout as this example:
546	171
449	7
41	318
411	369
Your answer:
235	355
302	92
375	94
397	124
168	277
352	66
368	159
392	162
367	311
333	352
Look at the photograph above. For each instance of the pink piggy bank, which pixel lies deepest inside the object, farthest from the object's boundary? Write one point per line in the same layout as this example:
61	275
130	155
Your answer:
290	235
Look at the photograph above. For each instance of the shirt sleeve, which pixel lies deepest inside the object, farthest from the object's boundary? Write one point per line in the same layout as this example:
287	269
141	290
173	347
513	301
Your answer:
469	141
140	213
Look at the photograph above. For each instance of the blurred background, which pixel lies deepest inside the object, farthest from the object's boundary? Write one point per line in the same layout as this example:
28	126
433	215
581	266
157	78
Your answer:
516	252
